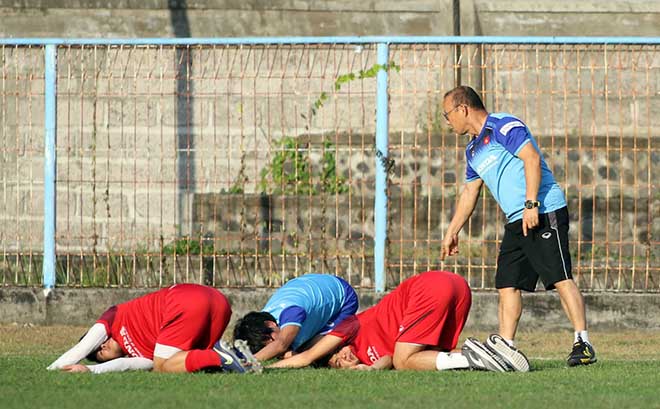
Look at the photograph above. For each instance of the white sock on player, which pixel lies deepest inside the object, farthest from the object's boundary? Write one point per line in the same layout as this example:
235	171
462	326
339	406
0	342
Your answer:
582	334
451	360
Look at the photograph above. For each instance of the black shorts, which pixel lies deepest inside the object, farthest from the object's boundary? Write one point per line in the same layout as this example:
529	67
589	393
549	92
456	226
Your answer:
543	253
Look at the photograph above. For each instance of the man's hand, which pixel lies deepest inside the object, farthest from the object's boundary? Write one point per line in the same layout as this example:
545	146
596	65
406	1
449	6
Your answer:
78	368
362	367
449	246
530	220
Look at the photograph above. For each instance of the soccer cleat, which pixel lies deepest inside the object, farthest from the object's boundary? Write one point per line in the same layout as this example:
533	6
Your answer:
583	354
243	351
481	358
230	360
515	359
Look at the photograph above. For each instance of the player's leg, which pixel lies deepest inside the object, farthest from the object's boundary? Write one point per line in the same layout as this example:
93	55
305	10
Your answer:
474	356
433	320
514	273
221	358
509	311
549	253
413	357
583	352
573	304
196	317
174	364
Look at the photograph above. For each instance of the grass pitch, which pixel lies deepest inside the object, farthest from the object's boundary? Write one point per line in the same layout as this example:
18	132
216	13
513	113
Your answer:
627	375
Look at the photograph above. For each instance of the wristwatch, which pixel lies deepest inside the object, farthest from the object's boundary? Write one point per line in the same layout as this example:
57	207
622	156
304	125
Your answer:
530	204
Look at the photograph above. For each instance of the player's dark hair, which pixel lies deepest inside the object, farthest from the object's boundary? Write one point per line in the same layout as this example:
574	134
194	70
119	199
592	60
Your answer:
324	361
253	329
464	95
92	355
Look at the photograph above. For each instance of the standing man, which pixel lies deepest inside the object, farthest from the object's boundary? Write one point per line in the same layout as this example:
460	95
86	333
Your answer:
503	153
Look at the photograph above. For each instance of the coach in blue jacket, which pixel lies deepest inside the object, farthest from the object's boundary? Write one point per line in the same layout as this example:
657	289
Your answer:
503	154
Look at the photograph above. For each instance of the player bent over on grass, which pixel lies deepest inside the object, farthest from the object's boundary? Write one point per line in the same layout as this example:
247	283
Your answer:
413	327
297	315
175	329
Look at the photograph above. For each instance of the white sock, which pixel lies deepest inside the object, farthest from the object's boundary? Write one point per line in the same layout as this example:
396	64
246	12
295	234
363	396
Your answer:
582	334
453	360
511	342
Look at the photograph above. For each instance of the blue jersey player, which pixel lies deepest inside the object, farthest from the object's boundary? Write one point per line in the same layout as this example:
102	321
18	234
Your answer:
303	308
503	154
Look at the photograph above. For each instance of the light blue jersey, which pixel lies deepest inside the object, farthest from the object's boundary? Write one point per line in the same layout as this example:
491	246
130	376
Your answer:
313	302
492	156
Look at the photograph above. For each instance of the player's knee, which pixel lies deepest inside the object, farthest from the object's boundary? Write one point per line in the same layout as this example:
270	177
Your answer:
167	365
400	362
160	366
508	291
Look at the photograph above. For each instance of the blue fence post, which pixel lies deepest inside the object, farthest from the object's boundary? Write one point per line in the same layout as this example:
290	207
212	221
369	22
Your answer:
50	160
380	205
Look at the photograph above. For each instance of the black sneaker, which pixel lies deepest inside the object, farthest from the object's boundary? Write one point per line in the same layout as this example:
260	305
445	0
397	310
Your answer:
583	354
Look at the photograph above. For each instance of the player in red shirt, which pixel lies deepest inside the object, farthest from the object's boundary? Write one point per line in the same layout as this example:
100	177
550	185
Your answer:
175	329
413	327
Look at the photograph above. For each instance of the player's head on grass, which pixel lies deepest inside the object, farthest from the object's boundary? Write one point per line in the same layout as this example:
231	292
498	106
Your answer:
257	328
345	358
107	351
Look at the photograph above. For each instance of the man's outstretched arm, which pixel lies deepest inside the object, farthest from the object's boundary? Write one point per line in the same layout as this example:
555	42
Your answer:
464	208
326	345
115	365
90	342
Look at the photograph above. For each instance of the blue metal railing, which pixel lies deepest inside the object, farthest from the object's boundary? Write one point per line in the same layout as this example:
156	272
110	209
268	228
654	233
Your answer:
50	166
333	40
380	205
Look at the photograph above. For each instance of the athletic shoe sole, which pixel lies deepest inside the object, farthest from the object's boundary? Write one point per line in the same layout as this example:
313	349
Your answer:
231	361
510	355
480	357
582	362
241	346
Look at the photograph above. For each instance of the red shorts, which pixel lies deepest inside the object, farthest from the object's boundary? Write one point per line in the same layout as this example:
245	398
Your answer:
438	304
194	317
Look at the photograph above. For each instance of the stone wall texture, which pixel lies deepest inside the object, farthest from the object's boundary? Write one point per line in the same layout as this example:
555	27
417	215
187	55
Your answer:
607	312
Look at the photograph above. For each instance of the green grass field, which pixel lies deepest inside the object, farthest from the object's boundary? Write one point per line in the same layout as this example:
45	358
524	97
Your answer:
627	376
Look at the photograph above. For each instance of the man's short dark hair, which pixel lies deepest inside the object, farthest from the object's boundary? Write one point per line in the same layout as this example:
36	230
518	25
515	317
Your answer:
464	95
253	329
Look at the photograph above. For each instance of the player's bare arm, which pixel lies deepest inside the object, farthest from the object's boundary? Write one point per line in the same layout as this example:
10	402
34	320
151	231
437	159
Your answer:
532	162
326	345
280	344
464	208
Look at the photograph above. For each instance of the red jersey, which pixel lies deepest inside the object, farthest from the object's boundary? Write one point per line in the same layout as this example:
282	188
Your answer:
183	316
427	309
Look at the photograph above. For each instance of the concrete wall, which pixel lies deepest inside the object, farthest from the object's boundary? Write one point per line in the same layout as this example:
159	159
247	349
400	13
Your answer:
542	310
233	18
